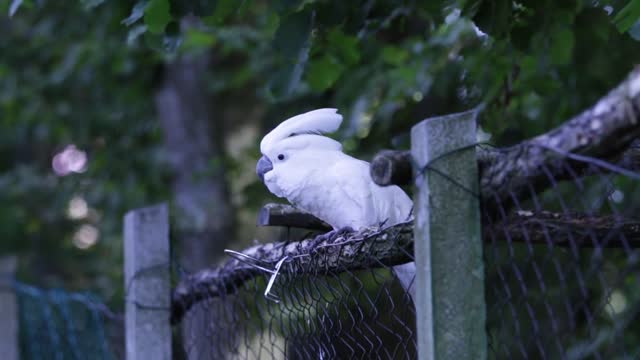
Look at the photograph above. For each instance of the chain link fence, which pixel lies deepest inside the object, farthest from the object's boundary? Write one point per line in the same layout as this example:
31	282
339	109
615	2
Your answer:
562	265
317	306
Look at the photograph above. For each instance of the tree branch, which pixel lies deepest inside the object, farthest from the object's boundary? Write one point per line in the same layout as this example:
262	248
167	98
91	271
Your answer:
289	216
394	246
605	131
390	167
359	250
559	229
385	164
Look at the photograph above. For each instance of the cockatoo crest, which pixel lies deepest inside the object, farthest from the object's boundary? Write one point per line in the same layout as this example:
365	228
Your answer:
319	121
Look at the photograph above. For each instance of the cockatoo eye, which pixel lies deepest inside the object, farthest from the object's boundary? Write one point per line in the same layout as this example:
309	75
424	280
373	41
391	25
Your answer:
280	157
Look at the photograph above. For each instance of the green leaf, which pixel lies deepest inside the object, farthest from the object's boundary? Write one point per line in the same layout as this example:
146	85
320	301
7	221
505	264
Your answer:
272	24
224	8
562	43
157	15
394	55
324	72
627	16
404	74
285	82
293	34
292	42
344	46
196	39
435	7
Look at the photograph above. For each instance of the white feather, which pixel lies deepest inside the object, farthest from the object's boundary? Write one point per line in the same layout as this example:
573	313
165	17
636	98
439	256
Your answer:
321	121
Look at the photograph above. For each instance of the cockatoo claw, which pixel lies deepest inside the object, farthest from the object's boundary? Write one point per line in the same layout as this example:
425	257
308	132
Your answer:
331	236
345	230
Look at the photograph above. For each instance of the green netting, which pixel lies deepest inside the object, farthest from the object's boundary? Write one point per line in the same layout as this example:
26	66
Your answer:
60	325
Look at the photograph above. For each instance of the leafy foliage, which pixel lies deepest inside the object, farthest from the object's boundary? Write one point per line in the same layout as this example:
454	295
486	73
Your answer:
74	82
84	74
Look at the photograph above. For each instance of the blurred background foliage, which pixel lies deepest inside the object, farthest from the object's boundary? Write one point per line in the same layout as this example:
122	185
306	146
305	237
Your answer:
80	140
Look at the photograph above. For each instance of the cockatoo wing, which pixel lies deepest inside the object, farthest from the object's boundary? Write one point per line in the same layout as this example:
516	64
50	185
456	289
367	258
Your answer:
343	194
353	187
376	205
339	194
319	121
392	205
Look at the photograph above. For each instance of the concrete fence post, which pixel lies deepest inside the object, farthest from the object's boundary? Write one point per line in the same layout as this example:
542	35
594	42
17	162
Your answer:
450	302
9	342
147	281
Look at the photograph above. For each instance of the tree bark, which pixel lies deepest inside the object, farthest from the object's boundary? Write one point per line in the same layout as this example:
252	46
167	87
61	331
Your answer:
204	215
388	166
560	229
606	132
204	218
289	216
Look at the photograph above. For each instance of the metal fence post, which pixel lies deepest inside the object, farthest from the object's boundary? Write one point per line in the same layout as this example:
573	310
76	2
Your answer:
9	344
147	281
450	303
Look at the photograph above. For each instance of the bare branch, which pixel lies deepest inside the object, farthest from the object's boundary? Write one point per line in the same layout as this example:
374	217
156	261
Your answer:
289	216
386	162
606	131
559	229
390	167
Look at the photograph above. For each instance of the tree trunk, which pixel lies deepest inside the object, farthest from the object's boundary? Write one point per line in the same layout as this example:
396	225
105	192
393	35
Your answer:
203	215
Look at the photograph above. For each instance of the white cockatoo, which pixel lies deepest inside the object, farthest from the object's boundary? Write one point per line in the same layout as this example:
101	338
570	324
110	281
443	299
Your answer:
314	175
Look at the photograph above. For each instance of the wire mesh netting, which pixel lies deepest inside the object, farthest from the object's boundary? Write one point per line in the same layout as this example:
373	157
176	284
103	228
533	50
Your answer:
323	303
561	281
56	324
562	264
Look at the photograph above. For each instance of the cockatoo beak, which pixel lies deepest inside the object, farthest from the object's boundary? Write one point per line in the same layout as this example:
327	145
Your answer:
264	166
